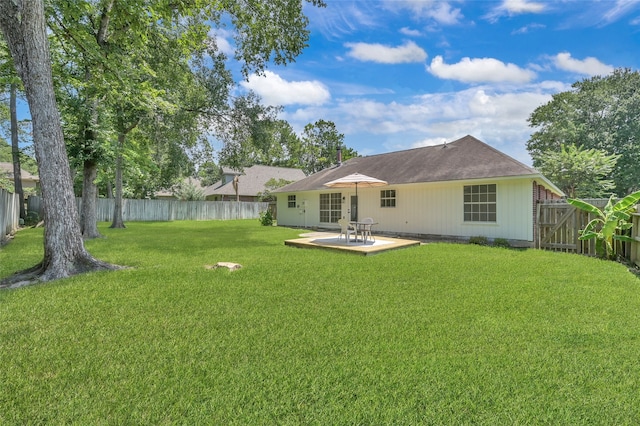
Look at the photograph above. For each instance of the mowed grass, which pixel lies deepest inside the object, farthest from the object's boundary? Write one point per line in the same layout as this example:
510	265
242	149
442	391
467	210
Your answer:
436	334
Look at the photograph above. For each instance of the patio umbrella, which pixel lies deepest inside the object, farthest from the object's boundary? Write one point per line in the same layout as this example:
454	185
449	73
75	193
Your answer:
353	181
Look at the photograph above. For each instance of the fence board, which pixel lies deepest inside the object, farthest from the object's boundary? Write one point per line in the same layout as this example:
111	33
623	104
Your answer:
9	213
167	210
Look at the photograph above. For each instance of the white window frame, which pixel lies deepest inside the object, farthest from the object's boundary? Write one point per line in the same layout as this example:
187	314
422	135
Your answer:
330	207
480	203
388	198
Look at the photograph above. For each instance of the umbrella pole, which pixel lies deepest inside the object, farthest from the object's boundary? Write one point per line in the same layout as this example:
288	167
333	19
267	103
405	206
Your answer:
357	201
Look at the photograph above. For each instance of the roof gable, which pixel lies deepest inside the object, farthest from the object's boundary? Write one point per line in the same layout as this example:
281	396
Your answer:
464	159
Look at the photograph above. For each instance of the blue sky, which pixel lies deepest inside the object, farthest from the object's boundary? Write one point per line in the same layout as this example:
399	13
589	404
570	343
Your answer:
396	75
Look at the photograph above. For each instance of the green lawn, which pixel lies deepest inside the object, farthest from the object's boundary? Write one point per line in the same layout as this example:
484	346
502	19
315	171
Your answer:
436	334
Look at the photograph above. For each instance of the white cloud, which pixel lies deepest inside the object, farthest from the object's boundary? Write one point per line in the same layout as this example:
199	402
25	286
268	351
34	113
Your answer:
515	7
341	18
480	70
528	28
440	11
588	66
222	38
407	53
409	32
522	6
619	9
274	90
496	116
445	14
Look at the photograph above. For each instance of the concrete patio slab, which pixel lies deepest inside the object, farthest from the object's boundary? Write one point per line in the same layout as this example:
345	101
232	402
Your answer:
331	241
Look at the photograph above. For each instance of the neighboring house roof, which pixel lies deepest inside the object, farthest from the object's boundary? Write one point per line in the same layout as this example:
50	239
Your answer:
464	159
7	169
253	179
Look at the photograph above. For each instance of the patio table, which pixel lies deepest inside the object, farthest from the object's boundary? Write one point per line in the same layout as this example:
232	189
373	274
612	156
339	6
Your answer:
359	228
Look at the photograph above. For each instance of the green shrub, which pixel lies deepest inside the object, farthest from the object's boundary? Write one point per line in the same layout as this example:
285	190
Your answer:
501	242
266	218
32	218
479	240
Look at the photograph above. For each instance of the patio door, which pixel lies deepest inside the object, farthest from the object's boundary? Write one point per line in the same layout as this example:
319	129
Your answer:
354	208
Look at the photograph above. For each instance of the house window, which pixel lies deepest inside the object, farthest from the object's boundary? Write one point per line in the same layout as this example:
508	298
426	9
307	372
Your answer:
480	203
330	207
388	198
291	201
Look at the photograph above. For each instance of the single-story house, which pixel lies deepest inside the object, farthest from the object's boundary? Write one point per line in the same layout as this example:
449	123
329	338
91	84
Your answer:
457	190
251	182
29	181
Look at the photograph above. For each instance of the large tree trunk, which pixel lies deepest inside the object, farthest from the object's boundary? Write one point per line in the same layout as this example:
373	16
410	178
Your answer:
23	25
89	214
123	131
117	205
109	189
15	149
88	211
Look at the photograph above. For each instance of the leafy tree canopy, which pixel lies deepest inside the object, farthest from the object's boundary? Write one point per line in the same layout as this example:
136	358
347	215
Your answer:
578	172
601	113
270	186
320	142
27	162
187	191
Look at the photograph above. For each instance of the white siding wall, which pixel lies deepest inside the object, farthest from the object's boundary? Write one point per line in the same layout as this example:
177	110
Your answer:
429	209
306	213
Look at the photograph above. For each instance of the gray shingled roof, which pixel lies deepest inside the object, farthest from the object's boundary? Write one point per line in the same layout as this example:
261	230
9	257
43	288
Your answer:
7	170
465	158
253	180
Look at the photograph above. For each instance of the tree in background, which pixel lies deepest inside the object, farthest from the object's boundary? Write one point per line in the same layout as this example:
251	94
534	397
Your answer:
209	173
601	113
187	191
578	172
10	82
320	142
245	131
259	137
270	186
271	32
119	63
130	57
23	26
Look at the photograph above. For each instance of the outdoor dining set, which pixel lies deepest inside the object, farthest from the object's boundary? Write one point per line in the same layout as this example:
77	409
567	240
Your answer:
361	230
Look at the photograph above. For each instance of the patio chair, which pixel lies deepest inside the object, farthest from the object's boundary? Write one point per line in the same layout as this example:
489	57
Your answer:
347	229
365	229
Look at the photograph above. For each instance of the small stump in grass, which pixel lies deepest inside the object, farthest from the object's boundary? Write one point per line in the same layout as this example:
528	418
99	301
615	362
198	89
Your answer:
229	265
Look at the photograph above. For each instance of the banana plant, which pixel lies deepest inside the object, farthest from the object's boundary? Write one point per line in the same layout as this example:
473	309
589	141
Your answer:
608	223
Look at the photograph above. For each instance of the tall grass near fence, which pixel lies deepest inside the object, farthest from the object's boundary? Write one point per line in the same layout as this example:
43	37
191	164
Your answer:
435	334
9	213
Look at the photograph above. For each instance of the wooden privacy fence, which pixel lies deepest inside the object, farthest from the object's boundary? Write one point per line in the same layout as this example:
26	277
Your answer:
165	210
634	253
559	225
9	213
